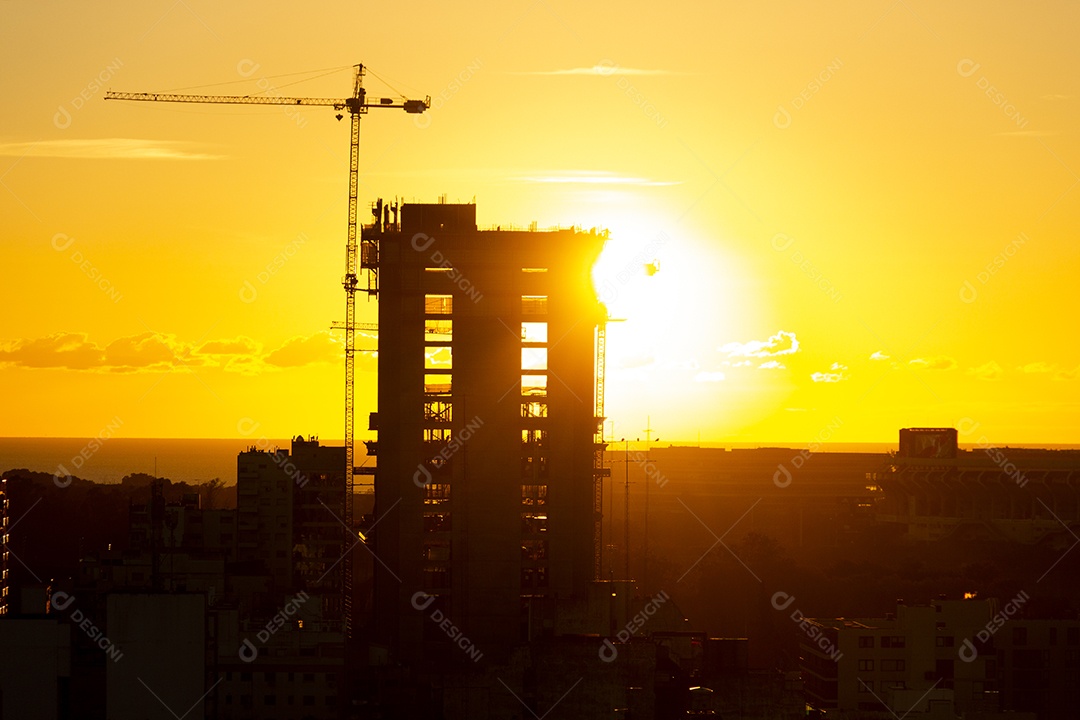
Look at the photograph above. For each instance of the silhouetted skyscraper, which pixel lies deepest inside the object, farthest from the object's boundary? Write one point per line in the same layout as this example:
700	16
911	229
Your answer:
4	547
484	486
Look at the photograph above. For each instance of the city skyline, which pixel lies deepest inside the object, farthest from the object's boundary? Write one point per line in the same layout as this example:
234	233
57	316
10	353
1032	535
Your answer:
845	221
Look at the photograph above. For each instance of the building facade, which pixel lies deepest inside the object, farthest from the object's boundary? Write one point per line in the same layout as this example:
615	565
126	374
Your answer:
484	485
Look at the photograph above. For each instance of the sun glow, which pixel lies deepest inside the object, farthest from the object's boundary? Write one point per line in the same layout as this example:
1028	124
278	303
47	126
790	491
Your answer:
672	300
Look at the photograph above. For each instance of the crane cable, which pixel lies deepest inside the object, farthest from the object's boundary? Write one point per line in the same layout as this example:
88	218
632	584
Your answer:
324	71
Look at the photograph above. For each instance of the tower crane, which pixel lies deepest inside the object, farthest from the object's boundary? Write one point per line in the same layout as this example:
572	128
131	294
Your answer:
355	105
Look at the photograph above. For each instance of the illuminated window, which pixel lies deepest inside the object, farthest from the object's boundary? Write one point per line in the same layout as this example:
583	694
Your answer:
533	385
438	330
439	358
534	332
533	435
438	411
534	358
437	384
534	304
534	409
437	435
534	270
439	304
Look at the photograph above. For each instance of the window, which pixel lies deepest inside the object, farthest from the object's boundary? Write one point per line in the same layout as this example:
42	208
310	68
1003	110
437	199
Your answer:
534	494
1072	636
534	577
534	464
534	549
437	550
439	357
534	385
534	358
533	409
533	522
437	577
437	522
866	686
534	332
437	435
534	304
532	435
439	304
892	665
438	329
866	641
438	411
894	641
945	641
438	384
534	270
436	493
866	666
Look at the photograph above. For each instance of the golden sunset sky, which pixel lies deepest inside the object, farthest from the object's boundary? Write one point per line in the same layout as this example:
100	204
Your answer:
864	214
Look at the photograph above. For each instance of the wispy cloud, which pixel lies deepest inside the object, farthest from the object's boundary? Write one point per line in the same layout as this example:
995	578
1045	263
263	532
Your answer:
835	374
878	355
301	350
1038	367
987	371
782	343
604	68
587	177
106	148
162	352
1045	368
934	363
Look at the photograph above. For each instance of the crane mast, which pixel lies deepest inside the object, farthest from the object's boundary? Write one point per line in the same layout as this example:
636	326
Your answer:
356	105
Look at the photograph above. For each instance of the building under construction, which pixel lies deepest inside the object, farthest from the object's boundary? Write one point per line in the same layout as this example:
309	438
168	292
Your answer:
485	507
